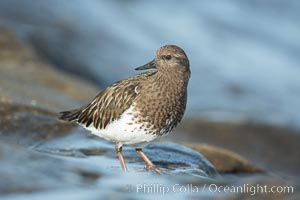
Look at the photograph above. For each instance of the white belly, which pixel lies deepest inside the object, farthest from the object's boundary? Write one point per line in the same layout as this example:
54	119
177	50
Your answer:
125	131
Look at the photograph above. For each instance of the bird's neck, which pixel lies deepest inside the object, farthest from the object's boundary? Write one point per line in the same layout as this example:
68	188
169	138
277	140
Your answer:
171	78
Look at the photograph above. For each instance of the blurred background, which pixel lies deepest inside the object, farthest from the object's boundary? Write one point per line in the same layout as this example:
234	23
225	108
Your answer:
244	55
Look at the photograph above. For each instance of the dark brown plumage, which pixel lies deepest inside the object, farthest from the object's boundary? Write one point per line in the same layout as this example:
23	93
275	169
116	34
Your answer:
141	108
109	104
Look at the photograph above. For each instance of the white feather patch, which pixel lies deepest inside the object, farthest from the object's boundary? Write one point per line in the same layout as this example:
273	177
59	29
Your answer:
125	130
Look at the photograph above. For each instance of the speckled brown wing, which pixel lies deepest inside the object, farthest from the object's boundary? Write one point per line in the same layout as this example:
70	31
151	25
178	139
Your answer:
109	104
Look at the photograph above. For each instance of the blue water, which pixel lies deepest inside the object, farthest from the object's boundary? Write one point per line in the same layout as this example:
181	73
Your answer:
244	55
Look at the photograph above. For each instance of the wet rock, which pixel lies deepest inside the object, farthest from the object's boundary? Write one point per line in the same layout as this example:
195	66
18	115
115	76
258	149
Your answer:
29	125
224	160
92	152
174	157
271	148
27	79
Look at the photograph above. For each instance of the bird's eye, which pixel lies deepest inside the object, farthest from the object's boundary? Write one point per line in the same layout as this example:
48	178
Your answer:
168	57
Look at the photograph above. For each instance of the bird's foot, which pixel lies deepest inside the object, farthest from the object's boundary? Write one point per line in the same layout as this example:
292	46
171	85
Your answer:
154	169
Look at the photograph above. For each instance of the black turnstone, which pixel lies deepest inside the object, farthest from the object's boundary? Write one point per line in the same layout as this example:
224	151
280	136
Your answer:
141	108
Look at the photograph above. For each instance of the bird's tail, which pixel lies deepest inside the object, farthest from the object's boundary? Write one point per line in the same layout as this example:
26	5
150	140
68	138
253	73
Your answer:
71	115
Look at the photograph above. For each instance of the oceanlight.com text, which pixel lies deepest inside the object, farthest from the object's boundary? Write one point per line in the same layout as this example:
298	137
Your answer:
212	188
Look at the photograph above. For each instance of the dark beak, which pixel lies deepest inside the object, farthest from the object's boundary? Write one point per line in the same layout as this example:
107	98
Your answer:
149	65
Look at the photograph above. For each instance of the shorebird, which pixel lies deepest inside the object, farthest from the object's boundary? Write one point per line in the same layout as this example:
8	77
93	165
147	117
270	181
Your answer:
141	108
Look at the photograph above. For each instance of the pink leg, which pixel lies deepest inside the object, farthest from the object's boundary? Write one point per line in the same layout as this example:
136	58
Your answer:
121	157
149	164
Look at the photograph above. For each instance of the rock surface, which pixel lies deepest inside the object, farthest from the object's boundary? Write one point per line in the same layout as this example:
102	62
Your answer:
224	160
273	148
27	79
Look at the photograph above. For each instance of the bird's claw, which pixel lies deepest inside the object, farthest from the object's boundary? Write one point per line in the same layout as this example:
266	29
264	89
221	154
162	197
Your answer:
155	169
